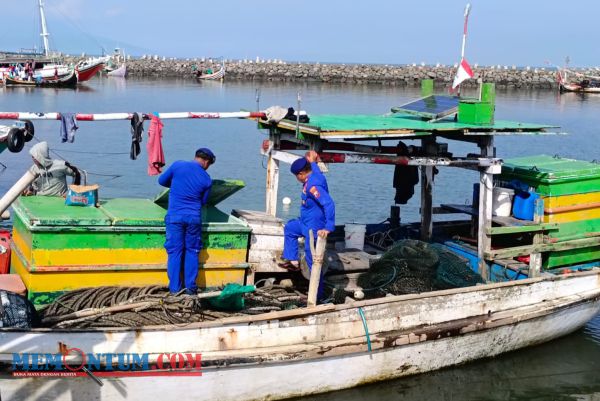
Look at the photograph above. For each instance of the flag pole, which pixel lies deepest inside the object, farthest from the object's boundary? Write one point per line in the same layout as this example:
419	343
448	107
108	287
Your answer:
464	39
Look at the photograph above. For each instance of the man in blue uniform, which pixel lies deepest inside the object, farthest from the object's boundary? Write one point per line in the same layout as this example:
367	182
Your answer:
190	187
317	212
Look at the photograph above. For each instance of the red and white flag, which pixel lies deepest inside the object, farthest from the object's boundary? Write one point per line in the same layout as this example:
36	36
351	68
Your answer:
463	73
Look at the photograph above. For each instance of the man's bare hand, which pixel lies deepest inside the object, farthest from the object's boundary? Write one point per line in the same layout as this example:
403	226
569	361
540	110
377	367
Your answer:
323	233
312	156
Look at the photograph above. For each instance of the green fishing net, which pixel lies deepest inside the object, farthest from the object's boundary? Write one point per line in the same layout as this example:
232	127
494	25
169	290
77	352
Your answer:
412	266
231	298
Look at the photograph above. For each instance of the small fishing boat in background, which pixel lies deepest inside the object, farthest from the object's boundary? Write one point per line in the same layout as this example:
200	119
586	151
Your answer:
120	72
87	69
210	75
584	83
67	81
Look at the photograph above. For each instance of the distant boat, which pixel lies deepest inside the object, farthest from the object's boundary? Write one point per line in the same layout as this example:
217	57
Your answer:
583	84
47	69
68	81
87	69
120	72
202	75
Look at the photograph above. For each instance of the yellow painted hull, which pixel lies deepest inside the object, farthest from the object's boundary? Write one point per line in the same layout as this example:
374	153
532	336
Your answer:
552	202
60	279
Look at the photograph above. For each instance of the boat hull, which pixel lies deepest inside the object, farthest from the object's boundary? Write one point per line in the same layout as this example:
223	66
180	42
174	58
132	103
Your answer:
69	81
578	88
120	72
324	349
87	73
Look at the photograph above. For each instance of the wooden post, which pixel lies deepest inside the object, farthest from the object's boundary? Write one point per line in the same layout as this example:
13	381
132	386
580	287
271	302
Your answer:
272	177
486	186
484	242
430	148
426	203
535	259
315	271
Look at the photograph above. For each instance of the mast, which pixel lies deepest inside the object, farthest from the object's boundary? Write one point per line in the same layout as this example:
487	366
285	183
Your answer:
44	33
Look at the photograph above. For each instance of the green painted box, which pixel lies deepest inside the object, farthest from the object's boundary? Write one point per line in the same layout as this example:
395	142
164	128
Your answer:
553	176
471	111
59	248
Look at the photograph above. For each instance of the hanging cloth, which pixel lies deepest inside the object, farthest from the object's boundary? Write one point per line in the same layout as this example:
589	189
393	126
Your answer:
156	157
405	178
68	126
137	130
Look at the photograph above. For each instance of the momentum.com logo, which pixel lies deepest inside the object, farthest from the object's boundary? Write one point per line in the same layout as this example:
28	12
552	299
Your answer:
73	362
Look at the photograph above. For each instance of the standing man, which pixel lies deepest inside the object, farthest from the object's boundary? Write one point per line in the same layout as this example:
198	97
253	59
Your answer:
190	187
317	213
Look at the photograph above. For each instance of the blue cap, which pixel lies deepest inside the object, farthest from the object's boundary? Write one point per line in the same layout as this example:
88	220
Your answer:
207	154
298	165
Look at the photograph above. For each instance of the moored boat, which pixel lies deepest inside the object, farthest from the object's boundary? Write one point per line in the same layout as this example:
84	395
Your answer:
87	69
583	83
292	352
67	81
211	76
120	72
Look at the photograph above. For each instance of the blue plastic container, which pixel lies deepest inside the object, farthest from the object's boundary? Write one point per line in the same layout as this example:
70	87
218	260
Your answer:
524	205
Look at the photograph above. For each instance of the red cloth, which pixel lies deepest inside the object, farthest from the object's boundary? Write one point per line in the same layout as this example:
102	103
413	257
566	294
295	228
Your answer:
156	157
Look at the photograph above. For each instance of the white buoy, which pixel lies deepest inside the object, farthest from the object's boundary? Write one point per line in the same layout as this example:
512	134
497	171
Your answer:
286	201
358	294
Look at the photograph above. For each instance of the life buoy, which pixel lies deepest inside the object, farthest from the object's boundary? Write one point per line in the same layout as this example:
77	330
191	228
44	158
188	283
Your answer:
29	130
15	140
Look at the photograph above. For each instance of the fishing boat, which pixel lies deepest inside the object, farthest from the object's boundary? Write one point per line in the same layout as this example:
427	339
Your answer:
120	72
211	76
321	348
87	69
47	65
583	83
67	81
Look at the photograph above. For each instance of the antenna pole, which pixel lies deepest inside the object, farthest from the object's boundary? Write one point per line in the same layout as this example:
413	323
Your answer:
44	33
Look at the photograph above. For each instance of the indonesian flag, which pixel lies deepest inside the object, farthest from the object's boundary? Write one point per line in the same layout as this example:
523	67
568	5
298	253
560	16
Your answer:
464	72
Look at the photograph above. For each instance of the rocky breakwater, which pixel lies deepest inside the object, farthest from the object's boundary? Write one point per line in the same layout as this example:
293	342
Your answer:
502	76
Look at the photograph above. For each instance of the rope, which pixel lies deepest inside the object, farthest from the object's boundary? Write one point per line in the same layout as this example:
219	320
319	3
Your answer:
162	307
364	321
110	176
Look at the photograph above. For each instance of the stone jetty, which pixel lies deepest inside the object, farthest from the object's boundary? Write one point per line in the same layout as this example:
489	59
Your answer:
277	70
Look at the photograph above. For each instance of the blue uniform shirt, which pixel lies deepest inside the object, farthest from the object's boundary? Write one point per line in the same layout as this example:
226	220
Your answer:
190	187
318	209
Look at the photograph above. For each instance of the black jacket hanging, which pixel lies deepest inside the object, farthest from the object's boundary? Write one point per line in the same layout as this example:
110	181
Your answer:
137	129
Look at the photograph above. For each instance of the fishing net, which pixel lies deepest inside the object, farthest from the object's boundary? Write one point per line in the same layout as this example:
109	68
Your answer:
231	298
16	311
412	266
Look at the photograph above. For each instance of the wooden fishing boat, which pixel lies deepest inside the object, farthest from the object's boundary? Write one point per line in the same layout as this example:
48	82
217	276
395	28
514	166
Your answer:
583	84
68	81
120	72
220	74
88	69
327	347
308	351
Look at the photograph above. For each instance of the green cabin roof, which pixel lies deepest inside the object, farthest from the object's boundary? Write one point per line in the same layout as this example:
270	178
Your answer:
400	124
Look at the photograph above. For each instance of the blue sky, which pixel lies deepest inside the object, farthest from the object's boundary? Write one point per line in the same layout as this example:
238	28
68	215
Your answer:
505	32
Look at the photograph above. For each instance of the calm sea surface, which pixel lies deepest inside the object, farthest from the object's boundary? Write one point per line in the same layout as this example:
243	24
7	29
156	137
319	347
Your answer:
566	369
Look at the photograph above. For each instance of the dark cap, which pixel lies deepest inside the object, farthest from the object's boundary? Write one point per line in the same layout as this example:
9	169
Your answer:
298	165
206	154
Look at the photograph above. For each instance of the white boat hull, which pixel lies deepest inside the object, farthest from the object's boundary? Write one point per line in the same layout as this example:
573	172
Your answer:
326	351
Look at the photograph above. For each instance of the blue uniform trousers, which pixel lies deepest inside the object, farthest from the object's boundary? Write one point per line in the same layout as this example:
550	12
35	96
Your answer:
183	244
293	230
